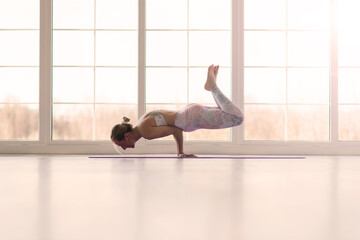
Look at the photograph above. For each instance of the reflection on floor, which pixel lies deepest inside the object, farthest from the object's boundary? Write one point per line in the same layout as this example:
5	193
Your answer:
73	197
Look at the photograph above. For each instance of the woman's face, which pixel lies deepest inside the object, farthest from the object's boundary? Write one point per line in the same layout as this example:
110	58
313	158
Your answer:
125	143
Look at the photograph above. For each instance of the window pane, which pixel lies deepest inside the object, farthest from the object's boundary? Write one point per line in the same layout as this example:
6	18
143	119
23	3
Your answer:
286	85
348	14
265	48
116	14
197	78
273	14
308	48
73	48
308	123
265	85
308	14
349	48
19	85
349	127
308	85
210	14
73	85
349	85
116	85
164	14
166	85
184	50
206	48
264	122
166	48
116	48
106	116
72	122
19	121
73	14
90	66
22	14
19	48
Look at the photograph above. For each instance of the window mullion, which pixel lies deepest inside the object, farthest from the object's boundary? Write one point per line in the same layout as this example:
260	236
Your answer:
141	59
238	64
45	71
333	72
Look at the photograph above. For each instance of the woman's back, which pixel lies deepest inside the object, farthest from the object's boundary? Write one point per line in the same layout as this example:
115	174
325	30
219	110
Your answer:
150	118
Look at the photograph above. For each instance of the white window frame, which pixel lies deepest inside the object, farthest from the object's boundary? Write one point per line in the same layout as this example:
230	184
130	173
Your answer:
236	146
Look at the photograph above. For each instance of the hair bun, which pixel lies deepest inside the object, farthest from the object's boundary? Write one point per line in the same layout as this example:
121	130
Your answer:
125	120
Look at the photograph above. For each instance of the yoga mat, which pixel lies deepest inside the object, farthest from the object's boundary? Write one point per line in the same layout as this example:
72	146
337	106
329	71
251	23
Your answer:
199	156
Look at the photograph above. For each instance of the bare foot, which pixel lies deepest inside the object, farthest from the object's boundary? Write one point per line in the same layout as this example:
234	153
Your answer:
211	77
216	70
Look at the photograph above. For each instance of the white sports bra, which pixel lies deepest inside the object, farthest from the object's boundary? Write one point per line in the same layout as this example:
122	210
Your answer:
159	118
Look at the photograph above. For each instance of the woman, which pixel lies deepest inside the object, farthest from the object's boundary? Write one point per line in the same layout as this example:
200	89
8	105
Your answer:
157	124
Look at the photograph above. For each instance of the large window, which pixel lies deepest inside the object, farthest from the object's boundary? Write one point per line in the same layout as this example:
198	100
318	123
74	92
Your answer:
95	49
291	65
286	75
349	70
95	58
196	34
19	70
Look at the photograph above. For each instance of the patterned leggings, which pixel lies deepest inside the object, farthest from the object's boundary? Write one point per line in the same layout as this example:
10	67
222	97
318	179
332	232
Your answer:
195	116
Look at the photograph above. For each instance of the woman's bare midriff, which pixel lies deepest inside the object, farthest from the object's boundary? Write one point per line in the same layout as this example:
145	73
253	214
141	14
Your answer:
168	115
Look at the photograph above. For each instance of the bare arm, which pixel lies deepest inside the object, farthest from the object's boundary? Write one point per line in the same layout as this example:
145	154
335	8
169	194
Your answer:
178	136
151	132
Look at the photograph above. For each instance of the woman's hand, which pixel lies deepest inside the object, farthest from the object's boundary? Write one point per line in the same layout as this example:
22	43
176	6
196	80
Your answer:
183	155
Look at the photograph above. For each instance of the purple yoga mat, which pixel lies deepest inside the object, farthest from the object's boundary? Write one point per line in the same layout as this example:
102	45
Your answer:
199	156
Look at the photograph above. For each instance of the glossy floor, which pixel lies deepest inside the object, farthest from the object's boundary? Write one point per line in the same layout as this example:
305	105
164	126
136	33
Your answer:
73	197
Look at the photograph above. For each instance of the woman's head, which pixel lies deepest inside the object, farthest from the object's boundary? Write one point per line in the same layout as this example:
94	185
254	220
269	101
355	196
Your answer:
120	134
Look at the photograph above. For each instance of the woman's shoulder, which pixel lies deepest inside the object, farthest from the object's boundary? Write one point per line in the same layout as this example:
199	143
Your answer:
142	118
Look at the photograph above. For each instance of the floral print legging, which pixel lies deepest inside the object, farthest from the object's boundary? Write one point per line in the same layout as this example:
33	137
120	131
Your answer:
195	116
